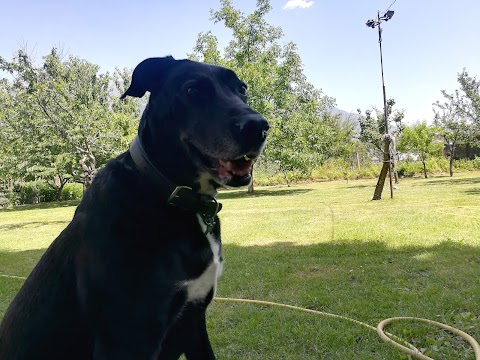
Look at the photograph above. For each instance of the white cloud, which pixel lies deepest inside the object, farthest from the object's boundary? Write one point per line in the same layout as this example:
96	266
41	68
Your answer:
293	4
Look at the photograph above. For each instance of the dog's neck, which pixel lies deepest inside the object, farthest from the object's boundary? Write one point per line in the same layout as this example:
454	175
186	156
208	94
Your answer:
207	185
183	197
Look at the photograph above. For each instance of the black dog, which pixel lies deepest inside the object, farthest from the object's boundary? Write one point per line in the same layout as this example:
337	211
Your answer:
132	274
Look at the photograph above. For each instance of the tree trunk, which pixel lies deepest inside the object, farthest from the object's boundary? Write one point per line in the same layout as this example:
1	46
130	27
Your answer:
59	193
286	177
424	168
452	155
393	159
59	182
395	172
89	168
250	186
377	195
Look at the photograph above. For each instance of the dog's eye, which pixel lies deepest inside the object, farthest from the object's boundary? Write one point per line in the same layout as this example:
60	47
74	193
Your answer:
198	90
193	91
242	89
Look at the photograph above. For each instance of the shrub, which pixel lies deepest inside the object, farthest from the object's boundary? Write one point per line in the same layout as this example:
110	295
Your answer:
476	162
367	171
25	193
332	169
72	191
463	165
438	165
409	168
415	168
4	201
47	192
32	192
338	169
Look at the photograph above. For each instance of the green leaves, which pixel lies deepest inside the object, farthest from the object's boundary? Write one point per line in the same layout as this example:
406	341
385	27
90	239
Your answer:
62	118
470	106
421	140
372	128
460	110
458	117
302	129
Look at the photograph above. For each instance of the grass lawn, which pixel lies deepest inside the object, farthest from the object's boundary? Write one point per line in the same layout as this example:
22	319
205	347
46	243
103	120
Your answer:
322	246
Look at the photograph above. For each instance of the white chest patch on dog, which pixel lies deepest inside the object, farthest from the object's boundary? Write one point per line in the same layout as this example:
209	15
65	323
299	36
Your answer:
198	289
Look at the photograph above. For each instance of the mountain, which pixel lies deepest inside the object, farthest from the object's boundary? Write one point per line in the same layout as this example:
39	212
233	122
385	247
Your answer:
347	116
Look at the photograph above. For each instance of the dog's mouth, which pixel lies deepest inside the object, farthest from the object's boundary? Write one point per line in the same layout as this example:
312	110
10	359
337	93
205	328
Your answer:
240	167
231	172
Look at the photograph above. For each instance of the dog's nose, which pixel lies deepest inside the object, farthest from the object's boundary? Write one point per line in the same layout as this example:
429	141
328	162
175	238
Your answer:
253	127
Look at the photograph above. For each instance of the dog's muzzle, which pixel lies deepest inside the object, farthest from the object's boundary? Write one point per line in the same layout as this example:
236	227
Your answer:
252	133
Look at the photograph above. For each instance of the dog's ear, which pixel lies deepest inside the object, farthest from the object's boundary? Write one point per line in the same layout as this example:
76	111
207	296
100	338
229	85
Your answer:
148	75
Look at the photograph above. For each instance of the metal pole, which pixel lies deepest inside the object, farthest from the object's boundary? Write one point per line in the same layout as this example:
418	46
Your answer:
386	156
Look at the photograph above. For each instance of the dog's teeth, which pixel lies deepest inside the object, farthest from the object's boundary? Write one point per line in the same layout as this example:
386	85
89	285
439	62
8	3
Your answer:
226	164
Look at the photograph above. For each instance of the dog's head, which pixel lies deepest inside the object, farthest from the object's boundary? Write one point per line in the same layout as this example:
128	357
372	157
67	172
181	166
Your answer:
197	117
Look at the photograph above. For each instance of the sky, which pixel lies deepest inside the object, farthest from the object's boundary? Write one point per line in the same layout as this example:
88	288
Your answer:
425	44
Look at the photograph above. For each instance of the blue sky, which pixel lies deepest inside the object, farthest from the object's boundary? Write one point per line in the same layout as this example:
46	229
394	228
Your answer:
425	44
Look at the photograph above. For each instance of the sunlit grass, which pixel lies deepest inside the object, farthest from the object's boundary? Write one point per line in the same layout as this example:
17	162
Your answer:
423	212
324	246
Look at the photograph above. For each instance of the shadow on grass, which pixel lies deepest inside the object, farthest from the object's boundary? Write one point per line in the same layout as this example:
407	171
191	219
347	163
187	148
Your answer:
368	281
236	194
13	266
361	186
338	261
19	263
453	181
474	191
46	205
30	224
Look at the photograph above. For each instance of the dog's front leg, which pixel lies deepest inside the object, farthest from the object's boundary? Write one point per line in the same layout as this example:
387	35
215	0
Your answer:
199	347
136	344
133	344
130	331
188	336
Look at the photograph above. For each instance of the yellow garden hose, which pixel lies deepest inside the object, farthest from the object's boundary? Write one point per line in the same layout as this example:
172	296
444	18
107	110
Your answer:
409	349
385	336
473	343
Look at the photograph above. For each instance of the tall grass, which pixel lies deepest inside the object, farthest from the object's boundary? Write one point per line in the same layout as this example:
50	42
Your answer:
339	169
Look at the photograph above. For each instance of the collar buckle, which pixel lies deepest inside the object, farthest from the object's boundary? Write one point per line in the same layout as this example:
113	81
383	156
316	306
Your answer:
182	197
207	206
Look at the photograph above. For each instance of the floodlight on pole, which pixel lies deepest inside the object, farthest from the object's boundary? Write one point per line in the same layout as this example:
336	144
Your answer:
373	23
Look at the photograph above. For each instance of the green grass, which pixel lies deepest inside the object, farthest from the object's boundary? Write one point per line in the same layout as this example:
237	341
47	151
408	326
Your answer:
326	247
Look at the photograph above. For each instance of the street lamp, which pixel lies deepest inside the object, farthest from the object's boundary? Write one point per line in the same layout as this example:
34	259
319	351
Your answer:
386	153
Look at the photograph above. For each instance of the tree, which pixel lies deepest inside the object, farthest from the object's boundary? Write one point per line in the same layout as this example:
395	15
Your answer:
372	128
63	118
302	130
458	117
419	139
454	128
372	131
469	105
